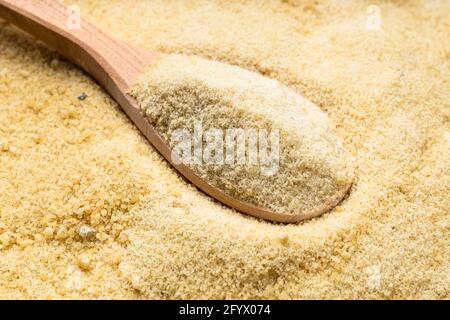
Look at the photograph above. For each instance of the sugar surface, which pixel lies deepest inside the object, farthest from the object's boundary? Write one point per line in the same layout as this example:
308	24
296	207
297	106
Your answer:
66	163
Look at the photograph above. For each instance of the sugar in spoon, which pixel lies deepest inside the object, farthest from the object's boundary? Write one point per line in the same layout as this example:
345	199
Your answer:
116	66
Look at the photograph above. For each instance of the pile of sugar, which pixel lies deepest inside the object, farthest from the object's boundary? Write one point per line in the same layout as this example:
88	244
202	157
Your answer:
305	169
67	163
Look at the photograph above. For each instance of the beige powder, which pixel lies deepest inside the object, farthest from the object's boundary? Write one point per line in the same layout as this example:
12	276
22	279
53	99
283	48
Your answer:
67	164
303	169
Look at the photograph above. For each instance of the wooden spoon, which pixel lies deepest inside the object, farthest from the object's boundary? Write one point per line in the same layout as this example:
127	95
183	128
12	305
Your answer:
116	65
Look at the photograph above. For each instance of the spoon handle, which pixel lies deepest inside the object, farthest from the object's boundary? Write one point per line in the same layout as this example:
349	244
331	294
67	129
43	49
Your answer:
62	28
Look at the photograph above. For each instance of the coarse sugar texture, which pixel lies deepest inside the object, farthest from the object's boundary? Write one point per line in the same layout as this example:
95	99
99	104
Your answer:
68	165
307	166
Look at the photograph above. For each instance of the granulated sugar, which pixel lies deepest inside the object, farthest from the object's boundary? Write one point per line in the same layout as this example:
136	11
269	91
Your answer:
259	141
67	163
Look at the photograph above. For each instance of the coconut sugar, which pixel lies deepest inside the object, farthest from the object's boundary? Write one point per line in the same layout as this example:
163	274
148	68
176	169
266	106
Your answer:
67	163
306	164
